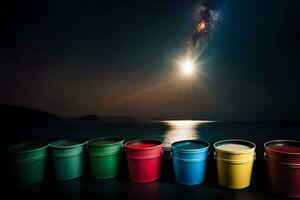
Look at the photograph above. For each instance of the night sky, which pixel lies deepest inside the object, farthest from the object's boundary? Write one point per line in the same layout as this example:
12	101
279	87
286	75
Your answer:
73	58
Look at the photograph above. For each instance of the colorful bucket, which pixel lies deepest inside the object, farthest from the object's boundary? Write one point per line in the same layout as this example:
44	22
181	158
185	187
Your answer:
283	165
234	162
189	161
27	162
105	156
144	159
68	158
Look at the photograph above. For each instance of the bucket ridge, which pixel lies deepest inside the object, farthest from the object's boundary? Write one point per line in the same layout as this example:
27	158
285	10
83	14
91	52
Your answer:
189	160
28	159
105	154
235	161
144	157
67	155
291	165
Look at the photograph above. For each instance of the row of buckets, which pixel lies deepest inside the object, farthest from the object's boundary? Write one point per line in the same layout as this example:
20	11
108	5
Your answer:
234	160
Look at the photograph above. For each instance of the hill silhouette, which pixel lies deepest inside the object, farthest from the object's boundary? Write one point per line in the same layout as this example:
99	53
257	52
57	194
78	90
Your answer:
90	117
105	119
17	115
21	116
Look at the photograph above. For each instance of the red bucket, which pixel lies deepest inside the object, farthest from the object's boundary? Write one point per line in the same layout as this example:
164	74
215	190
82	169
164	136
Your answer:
283	165
144	159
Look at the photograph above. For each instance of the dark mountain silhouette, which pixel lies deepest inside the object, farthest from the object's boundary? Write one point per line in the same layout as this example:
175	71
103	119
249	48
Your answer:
17	115
90	117
20	116
105	119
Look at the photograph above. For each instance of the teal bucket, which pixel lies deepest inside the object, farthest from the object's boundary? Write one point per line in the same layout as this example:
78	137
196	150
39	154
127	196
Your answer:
105	156
27	162
68	158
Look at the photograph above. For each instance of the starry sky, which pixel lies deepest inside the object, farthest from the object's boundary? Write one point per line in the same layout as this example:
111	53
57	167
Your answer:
73	58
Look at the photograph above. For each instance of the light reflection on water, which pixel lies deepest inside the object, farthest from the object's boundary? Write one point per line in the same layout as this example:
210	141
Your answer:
181	130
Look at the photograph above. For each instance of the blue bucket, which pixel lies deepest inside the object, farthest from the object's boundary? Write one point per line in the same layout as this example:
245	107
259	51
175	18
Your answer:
189	161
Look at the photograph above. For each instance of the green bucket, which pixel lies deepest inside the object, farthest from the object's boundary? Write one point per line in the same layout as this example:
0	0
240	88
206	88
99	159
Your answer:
68	158
105	155
27	162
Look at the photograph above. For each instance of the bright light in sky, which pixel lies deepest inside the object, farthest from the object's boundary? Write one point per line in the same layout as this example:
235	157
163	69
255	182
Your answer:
187	67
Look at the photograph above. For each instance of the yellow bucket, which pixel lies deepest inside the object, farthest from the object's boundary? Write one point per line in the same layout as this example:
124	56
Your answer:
234	162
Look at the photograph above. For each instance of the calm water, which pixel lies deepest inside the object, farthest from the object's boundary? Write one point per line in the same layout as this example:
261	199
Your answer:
168	131
182	130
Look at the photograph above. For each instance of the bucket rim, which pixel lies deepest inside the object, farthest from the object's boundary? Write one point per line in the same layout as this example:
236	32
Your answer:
119	140
190	150
12	148
158	143
266	147
56	144
246	142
